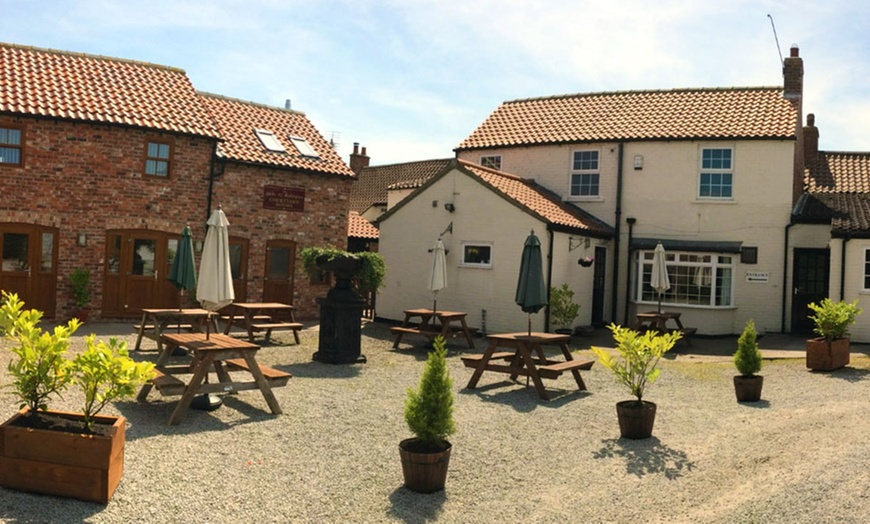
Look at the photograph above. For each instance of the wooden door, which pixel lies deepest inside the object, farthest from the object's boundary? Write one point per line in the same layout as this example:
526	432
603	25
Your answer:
811	272
141	269
28	265
280	268
239	266
599	285
136	271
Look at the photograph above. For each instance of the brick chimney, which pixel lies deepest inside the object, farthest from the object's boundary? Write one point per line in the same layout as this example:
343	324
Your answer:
358	160
811	140
793	75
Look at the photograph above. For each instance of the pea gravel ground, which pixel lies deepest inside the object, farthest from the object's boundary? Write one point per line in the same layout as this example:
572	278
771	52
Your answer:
800	455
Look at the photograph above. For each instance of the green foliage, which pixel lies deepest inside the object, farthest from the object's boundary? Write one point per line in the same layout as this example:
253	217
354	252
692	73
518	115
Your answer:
105	372
563	309
640	356
429	410
833	319
747	358
370	277
80	286
41	369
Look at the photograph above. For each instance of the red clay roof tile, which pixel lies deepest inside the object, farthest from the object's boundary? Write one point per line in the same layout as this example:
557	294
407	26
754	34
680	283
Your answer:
638	115
373	181
359	227
834	172
58	84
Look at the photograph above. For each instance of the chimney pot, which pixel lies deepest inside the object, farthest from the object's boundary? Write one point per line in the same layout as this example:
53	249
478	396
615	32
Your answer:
356	148
287	104
811	140
795	51
364	151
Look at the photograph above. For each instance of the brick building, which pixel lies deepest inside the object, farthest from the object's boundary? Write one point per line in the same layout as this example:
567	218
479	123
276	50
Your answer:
103	161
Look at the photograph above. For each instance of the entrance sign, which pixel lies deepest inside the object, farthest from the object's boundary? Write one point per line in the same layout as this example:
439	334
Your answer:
283	198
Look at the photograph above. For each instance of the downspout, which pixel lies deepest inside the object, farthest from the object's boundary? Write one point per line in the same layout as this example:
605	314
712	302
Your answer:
212	174
785	285
616	229
549	279
843	267
631	221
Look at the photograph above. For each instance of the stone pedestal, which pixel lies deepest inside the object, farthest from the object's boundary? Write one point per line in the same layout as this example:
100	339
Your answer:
340	317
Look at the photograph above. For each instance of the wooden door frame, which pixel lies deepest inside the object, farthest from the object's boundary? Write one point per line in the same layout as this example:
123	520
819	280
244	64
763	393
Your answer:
798	322
41	286
291	246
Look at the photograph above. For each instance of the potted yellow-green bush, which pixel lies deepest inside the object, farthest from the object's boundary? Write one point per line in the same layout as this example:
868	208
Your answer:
636	369
747	360
78	455
830	350
429	415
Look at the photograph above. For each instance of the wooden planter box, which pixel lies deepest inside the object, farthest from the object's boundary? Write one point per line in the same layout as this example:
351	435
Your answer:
86	467
824	355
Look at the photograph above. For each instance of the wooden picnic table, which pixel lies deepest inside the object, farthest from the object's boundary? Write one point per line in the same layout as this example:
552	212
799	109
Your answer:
155	321
428	328
526	358
660	321
218	351
262	316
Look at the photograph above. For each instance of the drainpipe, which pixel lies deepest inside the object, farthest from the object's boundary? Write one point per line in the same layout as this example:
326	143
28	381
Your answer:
549	279
213	173
843	267
616	228
631	221
785	286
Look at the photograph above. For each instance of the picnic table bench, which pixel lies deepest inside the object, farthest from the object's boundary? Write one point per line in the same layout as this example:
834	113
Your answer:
430	330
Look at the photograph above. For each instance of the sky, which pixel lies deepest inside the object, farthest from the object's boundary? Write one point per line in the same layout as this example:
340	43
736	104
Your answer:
410	79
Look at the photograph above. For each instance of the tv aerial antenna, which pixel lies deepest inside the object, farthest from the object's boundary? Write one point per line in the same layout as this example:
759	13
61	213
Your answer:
776	38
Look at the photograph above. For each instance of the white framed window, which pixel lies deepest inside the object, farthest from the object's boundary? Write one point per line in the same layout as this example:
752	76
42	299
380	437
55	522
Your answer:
492	162
867	269
157	159
269	140
717	177
697	279
584	174
10	146
476	254
303	147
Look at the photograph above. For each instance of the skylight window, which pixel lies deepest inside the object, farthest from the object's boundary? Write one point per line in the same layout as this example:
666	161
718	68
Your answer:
269	140
304	147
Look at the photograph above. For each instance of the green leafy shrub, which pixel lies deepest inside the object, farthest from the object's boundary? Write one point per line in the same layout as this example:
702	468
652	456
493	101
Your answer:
104	372
370	276
640	355
832	319
747	358
80	286
429	410
563	309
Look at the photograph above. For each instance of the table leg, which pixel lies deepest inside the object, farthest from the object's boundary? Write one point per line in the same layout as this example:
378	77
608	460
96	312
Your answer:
162	359
249	322
467	333
575	372
141	331
192	388
405	323
532	369
230	321
261	381
295	332
481	366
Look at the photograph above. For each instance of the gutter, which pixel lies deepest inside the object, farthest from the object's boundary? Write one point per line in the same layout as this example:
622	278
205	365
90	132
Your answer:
785	285
616	232
631	221
213	173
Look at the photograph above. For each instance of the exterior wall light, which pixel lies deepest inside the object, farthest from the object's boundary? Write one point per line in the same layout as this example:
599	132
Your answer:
82	239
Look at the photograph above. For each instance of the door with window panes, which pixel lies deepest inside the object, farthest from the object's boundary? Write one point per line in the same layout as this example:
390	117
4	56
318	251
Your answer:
29	265
137	266
239	267
280	268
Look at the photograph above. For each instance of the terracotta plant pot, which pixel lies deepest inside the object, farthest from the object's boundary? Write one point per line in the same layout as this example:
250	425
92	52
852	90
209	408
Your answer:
424	472
635	419
827	355
748	389
86	467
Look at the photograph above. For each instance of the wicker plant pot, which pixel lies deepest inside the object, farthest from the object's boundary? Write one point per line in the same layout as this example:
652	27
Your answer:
424	472
827	355
86	467
635	420
748	389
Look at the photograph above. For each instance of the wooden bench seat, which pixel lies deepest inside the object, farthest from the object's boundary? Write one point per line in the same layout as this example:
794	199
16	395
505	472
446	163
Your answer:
555	370
166	384
275	377
415	331
472	361
150	327
276	325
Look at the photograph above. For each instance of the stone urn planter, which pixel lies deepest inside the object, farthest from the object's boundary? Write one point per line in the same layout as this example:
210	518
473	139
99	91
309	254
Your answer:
827	355
55	461
340	313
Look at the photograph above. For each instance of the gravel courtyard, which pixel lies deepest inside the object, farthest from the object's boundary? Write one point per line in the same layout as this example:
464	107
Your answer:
800	455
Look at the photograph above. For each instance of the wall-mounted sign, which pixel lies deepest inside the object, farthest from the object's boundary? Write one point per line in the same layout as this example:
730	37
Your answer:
283	198
757	276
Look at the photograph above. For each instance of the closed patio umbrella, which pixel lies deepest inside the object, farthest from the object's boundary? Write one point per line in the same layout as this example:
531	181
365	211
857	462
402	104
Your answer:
214	288
438	273
182	273
659	279
531	291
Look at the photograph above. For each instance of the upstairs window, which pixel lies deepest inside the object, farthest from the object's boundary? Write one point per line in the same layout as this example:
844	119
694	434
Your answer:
10	146
492	162
584	174
303	147
157	159
716	180
269	140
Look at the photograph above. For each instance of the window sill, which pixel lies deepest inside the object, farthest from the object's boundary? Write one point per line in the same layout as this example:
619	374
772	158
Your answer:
584	199
713	201
683	306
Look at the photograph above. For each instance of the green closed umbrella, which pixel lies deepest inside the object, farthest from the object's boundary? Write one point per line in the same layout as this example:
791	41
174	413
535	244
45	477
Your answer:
182	273
531	290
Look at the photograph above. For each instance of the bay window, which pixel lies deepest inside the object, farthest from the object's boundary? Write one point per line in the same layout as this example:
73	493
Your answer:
697	279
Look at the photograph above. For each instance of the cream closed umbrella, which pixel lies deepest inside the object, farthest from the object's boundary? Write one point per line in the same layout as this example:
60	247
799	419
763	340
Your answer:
659	280
438	274
214	287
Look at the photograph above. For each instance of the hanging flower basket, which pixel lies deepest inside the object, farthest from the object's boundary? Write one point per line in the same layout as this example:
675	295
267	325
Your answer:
586	261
